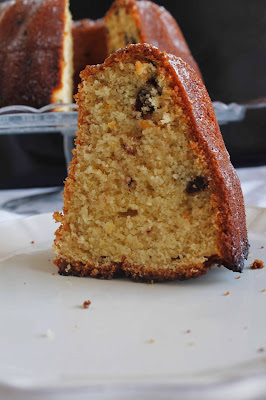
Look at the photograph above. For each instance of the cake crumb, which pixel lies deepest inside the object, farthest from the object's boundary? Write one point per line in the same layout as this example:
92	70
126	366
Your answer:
139	67
227	293
262	247
263	290
238	277
188	331
151	341
49	334
32	242
111	125
257	264
53	273
86	304
261	350
68	268
144	124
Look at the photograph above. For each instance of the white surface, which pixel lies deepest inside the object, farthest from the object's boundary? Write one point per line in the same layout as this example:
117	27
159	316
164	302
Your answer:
52	348
18	203
253	183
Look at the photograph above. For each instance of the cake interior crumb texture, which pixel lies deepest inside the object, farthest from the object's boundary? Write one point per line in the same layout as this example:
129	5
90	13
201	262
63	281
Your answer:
139	196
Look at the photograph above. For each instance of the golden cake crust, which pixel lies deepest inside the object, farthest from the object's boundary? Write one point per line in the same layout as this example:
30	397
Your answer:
31	51
192	96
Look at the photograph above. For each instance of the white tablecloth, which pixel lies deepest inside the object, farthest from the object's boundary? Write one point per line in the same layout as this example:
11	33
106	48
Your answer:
34	201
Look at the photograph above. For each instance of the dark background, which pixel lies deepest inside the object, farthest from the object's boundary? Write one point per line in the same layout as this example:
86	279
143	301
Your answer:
227	39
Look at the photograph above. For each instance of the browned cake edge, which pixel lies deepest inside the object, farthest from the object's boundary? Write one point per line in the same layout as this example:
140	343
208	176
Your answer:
135	272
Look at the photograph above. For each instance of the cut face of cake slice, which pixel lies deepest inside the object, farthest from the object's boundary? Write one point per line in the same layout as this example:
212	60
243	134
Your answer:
151	192
131	21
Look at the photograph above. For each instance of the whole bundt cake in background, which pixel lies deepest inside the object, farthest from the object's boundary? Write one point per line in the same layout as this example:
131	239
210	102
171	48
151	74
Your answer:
89	42
132	21
151	191
36	66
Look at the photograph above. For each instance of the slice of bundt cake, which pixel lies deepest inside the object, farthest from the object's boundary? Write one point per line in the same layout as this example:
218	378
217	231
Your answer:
36	53
89	41
151	192
132	21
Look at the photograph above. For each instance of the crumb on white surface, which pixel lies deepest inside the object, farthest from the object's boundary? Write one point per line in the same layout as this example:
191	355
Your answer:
86	304
257	264
261	350
49	334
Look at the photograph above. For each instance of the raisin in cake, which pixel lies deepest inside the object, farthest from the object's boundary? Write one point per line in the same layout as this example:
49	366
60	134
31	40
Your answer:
89	41
151	191
130	21
36	64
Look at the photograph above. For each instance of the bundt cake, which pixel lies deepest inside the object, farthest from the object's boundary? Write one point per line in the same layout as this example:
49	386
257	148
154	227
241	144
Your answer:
36	65
151	192
132	21
89	41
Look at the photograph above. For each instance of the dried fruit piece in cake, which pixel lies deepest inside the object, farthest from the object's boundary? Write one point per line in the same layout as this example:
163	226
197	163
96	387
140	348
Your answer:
131	22
151	191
